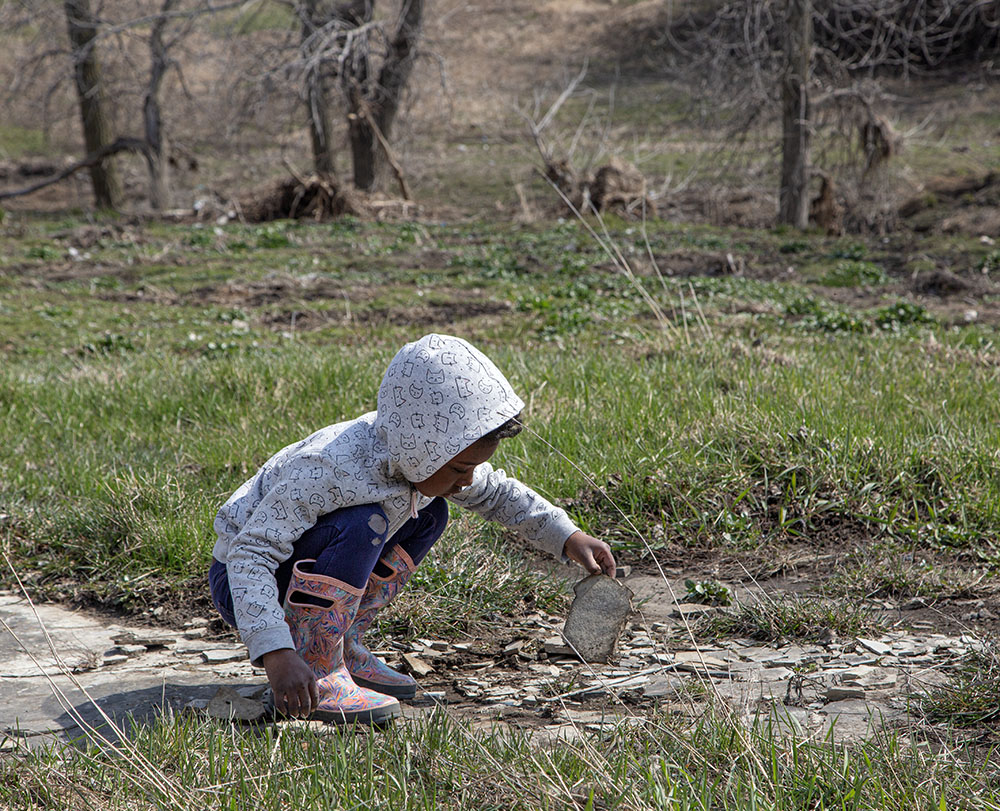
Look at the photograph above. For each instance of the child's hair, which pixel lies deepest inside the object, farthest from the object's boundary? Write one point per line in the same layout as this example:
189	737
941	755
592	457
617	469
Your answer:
512	427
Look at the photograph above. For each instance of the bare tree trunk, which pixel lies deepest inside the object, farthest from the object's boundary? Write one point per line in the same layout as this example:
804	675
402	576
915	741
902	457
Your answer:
315	15
794	201
373	110
157	156
93	108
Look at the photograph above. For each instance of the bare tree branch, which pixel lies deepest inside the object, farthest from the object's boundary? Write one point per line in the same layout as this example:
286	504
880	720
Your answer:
117	146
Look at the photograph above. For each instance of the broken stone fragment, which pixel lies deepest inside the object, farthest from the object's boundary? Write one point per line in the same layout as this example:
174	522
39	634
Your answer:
876	647
663	686
416	665
146	640
113	659
597	617
196	705
228	705
514	648
218	656
555	646
694	657
844	693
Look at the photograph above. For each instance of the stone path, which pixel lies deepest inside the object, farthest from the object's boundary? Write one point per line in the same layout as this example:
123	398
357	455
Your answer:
117	672
99	672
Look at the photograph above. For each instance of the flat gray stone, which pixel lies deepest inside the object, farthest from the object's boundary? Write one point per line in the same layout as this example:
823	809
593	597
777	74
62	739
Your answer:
219	656
664	686
42	688
146	639
597	617
229	705
854	719
416	665
844	693
876	647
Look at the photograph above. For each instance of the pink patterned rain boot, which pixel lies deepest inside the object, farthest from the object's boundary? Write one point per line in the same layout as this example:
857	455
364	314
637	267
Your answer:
318	634
365	667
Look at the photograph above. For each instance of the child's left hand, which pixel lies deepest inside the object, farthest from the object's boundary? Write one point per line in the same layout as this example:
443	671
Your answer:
592	554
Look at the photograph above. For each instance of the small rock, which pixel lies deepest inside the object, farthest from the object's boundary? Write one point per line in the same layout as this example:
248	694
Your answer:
791	656
113	659
147	640
844	693
195	633
555	646
228	705
129	650
436	695
218	656
876	647
860	659
666	686
513	648
856	674
623	571
693	657
196	705
416	665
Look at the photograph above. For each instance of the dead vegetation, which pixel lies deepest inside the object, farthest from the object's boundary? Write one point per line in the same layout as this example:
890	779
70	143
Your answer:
317	198
617	187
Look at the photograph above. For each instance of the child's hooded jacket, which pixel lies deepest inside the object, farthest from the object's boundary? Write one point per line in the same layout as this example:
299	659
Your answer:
438	397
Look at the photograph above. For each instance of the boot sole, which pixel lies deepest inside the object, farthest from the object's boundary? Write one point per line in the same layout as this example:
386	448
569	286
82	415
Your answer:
379	716
403	691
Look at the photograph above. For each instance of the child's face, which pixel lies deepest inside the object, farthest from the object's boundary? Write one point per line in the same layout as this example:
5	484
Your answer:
457	472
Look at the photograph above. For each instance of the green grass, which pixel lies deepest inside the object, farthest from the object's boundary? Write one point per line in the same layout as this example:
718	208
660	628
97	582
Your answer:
790	619
148	374
442	763
18	141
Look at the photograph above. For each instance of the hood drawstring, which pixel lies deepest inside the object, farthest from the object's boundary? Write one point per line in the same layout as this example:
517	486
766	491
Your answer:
414	495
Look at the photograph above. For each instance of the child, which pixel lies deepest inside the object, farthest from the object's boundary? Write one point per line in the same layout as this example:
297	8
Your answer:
333	526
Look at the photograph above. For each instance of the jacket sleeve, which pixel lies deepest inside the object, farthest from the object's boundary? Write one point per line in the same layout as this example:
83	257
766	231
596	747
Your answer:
291	502
497	497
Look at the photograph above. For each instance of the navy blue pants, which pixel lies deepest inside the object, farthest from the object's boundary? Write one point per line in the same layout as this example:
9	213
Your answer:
346	544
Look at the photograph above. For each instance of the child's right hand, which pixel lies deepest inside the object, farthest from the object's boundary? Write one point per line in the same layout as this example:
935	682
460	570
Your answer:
292	683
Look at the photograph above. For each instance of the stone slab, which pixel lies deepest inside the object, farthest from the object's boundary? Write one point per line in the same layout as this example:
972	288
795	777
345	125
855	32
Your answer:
55	692
597	617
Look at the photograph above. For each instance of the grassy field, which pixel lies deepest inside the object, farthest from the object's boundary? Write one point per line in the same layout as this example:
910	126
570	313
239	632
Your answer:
695	395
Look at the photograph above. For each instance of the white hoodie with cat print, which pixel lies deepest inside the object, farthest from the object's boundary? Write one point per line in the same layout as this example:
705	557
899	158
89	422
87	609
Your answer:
439	395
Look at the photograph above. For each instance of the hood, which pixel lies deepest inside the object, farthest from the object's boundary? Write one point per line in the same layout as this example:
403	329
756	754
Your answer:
439	395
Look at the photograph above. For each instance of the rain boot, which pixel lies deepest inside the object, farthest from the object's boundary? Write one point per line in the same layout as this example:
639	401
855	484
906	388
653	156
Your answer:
319	610
365	667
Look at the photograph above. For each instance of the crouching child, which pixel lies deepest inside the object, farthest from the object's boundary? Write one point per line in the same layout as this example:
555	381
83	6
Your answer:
329	530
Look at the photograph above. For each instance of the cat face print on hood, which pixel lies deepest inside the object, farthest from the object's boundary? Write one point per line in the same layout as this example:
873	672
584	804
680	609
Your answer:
439	395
